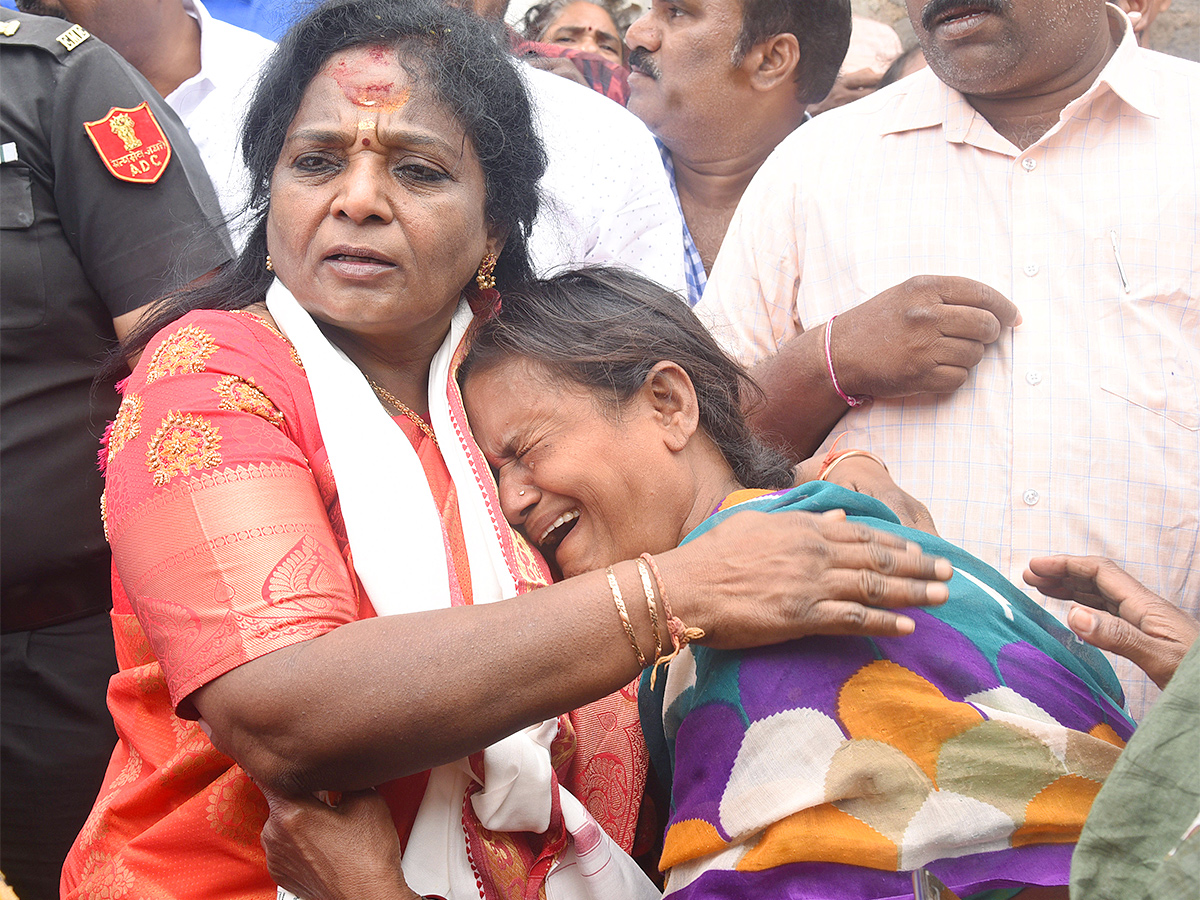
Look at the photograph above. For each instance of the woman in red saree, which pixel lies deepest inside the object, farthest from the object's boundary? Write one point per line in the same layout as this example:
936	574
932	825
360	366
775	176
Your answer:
314	586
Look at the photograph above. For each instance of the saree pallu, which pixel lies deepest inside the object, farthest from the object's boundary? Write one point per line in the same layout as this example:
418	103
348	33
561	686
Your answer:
602	75
228	533
828	768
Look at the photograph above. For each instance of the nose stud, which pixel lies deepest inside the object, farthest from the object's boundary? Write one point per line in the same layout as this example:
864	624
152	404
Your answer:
520	493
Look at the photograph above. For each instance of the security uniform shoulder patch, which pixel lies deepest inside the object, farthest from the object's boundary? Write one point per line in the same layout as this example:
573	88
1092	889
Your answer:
73	37
131	144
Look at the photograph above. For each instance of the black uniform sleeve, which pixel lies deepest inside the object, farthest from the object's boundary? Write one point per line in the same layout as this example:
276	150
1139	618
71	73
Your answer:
78	248
135	241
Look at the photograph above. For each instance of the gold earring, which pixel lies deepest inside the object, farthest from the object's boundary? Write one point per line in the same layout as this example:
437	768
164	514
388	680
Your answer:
485	277
270	265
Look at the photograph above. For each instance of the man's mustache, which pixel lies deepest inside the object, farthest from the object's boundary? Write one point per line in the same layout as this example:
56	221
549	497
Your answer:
640	60
935	9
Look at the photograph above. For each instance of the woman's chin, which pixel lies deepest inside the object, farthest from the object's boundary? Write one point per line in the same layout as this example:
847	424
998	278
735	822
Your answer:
571	561
572	564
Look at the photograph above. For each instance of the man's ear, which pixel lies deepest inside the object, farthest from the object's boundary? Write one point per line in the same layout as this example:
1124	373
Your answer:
672	397
773	61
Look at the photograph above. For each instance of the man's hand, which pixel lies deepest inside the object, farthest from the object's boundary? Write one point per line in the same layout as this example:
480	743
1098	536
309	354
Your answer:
922	336
863	474
1125	618
344	852
848	87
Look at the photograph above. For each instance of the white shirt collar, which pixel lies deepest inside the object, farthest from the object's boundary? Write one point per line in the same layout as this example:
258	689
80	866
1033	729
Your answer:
931	102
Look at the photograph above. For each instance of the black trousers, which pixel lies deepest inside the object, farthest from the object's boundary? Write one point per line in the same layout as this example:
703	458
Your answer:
56	737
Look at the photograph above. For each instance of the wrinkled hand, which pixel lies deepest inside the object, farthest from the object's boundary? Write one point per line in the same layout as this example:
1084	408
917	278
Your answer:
1124	616
775	577
347	852
1143	20
922	336
848	87
863	474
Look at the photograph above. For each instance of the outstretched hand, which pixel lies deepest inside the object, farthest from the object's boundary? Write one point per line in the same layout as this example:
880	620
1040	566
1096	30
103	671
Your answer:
1118	613
922	336
344	852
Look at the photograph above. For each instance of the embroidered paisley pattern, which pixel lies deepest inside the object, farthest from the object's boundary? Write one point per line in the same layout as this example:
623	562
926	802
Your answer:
235	809
275	331
182	443
243	395
186	350
126	426
108	878
97	820
305	572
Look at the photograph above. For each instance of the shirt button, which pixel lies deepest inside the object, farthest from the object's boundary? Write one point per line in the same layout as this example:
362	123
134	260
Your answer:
1031	269
1029	164
1031	497
1033	377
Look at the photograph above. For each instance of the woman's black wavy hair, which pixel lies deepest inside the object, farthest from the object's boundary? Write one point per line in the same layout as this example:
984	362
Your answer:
467	66
605	328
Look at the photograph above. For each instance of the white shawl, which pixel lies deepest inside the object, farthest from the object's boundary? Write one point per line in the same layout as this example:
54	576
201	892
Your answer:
389	512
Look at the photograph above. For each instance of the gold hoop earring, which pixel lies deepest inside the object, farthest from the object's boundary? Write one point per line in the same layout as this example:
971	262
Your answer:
485	277
270	265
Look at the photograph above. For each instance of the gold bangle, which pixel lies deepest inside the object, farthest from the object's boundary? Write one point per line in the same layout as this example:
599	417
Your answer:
644	571
846	454
681	635
624	614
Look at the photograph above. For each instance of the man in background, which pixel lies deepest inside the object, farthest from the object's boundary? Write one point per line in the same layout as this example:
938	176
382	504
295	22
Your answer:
1043	163
720	83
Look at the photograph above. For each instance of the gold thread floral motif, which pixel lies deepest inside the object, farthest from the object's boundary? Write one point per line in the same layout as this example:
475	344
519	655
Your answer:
236	810
186	350
106	877
243	395
275	331
182	443
126	426
104	513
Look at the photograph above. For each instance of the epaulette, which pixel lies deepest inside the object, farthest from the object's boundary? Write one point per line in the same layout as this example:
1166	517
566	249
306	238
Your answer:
49	33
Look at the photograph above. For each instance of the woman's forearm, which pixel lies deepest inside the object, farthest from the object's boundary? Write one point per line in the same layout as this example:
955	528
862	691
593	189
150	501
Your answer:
381	698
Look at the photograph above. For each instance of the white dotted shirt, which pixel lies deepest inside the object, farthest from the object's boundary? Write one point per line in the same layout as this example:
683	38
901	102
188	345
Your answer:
605	197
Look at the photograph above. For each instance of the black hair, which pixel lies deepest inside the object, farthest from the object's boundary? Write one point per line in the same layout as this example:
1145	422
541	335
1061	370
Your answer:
821	26
604	329
466	67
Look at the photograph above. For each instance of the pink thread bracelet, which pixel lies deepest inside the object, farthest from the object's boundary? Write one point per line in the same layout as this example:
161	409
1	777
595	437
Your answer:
850	399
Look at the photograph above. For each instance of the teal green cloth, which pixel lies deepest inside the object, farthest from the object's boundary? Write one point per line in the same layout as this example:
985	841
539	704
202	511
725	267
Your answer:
1141	840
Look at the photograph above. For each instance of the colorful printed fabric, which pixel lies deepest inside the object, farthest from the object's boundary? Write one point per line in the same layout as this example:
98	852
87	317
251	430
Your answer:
228	543
602	75
830	767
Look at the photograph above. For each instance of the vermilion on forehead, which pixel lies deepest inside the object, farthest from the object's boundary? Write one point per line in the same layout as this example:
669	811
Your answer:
368	78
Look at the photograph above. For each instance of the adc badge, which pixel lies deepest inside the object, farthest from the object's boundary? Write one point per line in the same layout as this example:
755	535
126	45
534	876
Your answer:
131	144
